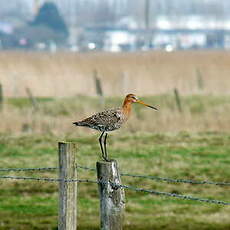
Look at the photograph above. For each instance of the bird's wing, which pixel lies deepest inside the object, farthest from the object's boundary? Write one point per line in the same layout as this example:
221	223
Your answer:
103	120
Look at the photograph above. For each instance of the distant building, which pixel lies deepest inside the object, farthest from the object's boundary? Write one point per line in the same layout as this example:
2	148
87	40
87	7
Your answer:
191	22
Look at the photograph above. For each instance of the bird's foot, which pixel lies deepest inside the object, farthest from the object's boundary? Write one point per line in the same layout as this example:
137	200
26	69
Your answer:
106	159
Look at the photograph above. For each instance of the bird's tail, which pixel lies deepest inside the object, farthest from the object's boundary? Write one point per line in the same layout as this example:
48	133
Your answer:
78	123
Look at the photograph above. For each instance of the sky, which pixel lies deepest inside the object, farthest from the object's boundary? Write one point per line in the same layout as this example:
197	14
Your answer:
85	11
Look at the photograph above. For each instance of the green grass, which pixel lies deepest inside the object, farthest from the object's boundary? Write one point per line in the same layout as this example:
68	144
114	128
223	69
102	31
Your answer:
201	156
25	102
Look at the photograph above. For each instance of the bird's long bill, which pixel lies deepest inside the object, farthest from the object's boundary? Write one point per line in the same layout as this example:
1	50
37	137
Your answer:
141	102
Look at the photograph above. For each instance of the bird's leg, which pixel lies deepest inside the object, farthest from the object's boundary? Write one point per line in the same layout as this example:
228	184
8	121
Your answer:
105	149
100	141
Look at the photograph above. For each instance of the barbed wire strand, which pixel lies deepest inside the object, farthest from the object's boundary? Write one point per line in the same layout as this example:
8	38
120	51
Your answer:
27	169
169	180
46	179
185	197
40	169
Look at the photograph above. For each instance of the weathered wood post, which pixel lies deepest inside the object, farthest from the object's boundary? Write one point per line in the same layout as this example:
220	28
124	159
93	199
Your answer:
1	98
98	87
67	190
178	101
112	198
200	82
32	99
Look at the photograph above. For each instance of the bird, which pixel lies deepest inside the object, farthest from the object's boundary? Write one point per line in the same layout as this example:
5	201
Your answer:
110	120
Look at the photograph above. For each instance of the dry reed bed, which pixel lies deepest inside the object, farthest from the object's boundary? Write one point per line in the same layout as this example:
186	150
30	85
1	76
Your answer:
143	73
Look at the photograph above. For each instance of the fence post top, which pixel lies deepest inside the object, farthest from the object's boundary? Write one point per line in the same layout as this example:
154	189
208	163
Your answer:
74	144
66	142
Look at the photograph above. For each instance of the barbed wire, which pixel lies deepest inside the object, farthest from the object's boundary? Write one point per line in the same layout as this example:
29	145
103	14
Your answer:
46	179
169	180
27	169
41	169
116	186
85	168
184	197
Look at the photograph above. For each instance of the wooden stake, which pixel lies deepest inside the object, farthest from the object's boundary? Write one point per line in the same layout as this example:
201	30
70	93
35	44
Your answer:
112	198
200	82
178	101
67	190
32	99
98	87
99	90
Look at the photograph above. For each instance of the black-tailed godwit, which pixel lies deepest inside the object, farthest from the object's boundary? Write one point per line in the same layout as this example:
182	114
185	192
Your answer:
110	120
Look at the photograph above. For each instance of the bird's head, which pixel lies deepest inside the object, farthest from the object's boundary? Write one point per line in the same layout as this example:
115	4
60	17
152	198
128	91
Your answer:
132	98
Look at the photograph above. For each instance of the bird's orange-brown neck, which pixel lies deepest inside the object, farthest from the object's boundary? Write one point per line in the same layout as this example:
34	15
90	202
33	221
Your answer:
126	107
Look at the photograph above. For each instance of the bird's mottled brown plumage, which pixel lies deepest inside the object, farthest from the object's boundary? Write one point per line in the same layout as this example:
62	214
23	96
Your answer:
105	121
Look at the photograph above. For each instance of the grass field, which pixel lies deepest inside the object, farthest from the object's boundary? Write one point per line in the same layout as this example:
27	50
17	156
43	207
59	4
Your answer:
194	144
204	156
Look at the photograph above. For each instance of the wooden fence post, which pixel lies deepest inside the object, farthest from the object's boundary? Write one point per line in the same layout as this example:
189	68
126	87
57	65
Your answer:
1	98
67	190
178	101
98	87
112	199
200	81
32	99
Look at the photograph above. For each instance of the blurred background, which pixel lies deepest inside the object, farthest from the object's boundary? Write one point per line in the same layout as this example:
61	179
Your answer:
114	25
172	51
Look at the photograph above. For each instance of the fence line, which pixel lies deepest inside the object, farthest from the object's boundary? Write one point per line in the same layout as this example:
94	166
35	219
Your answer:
27	169
169	180
177	180
47	179
184	197
168	194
